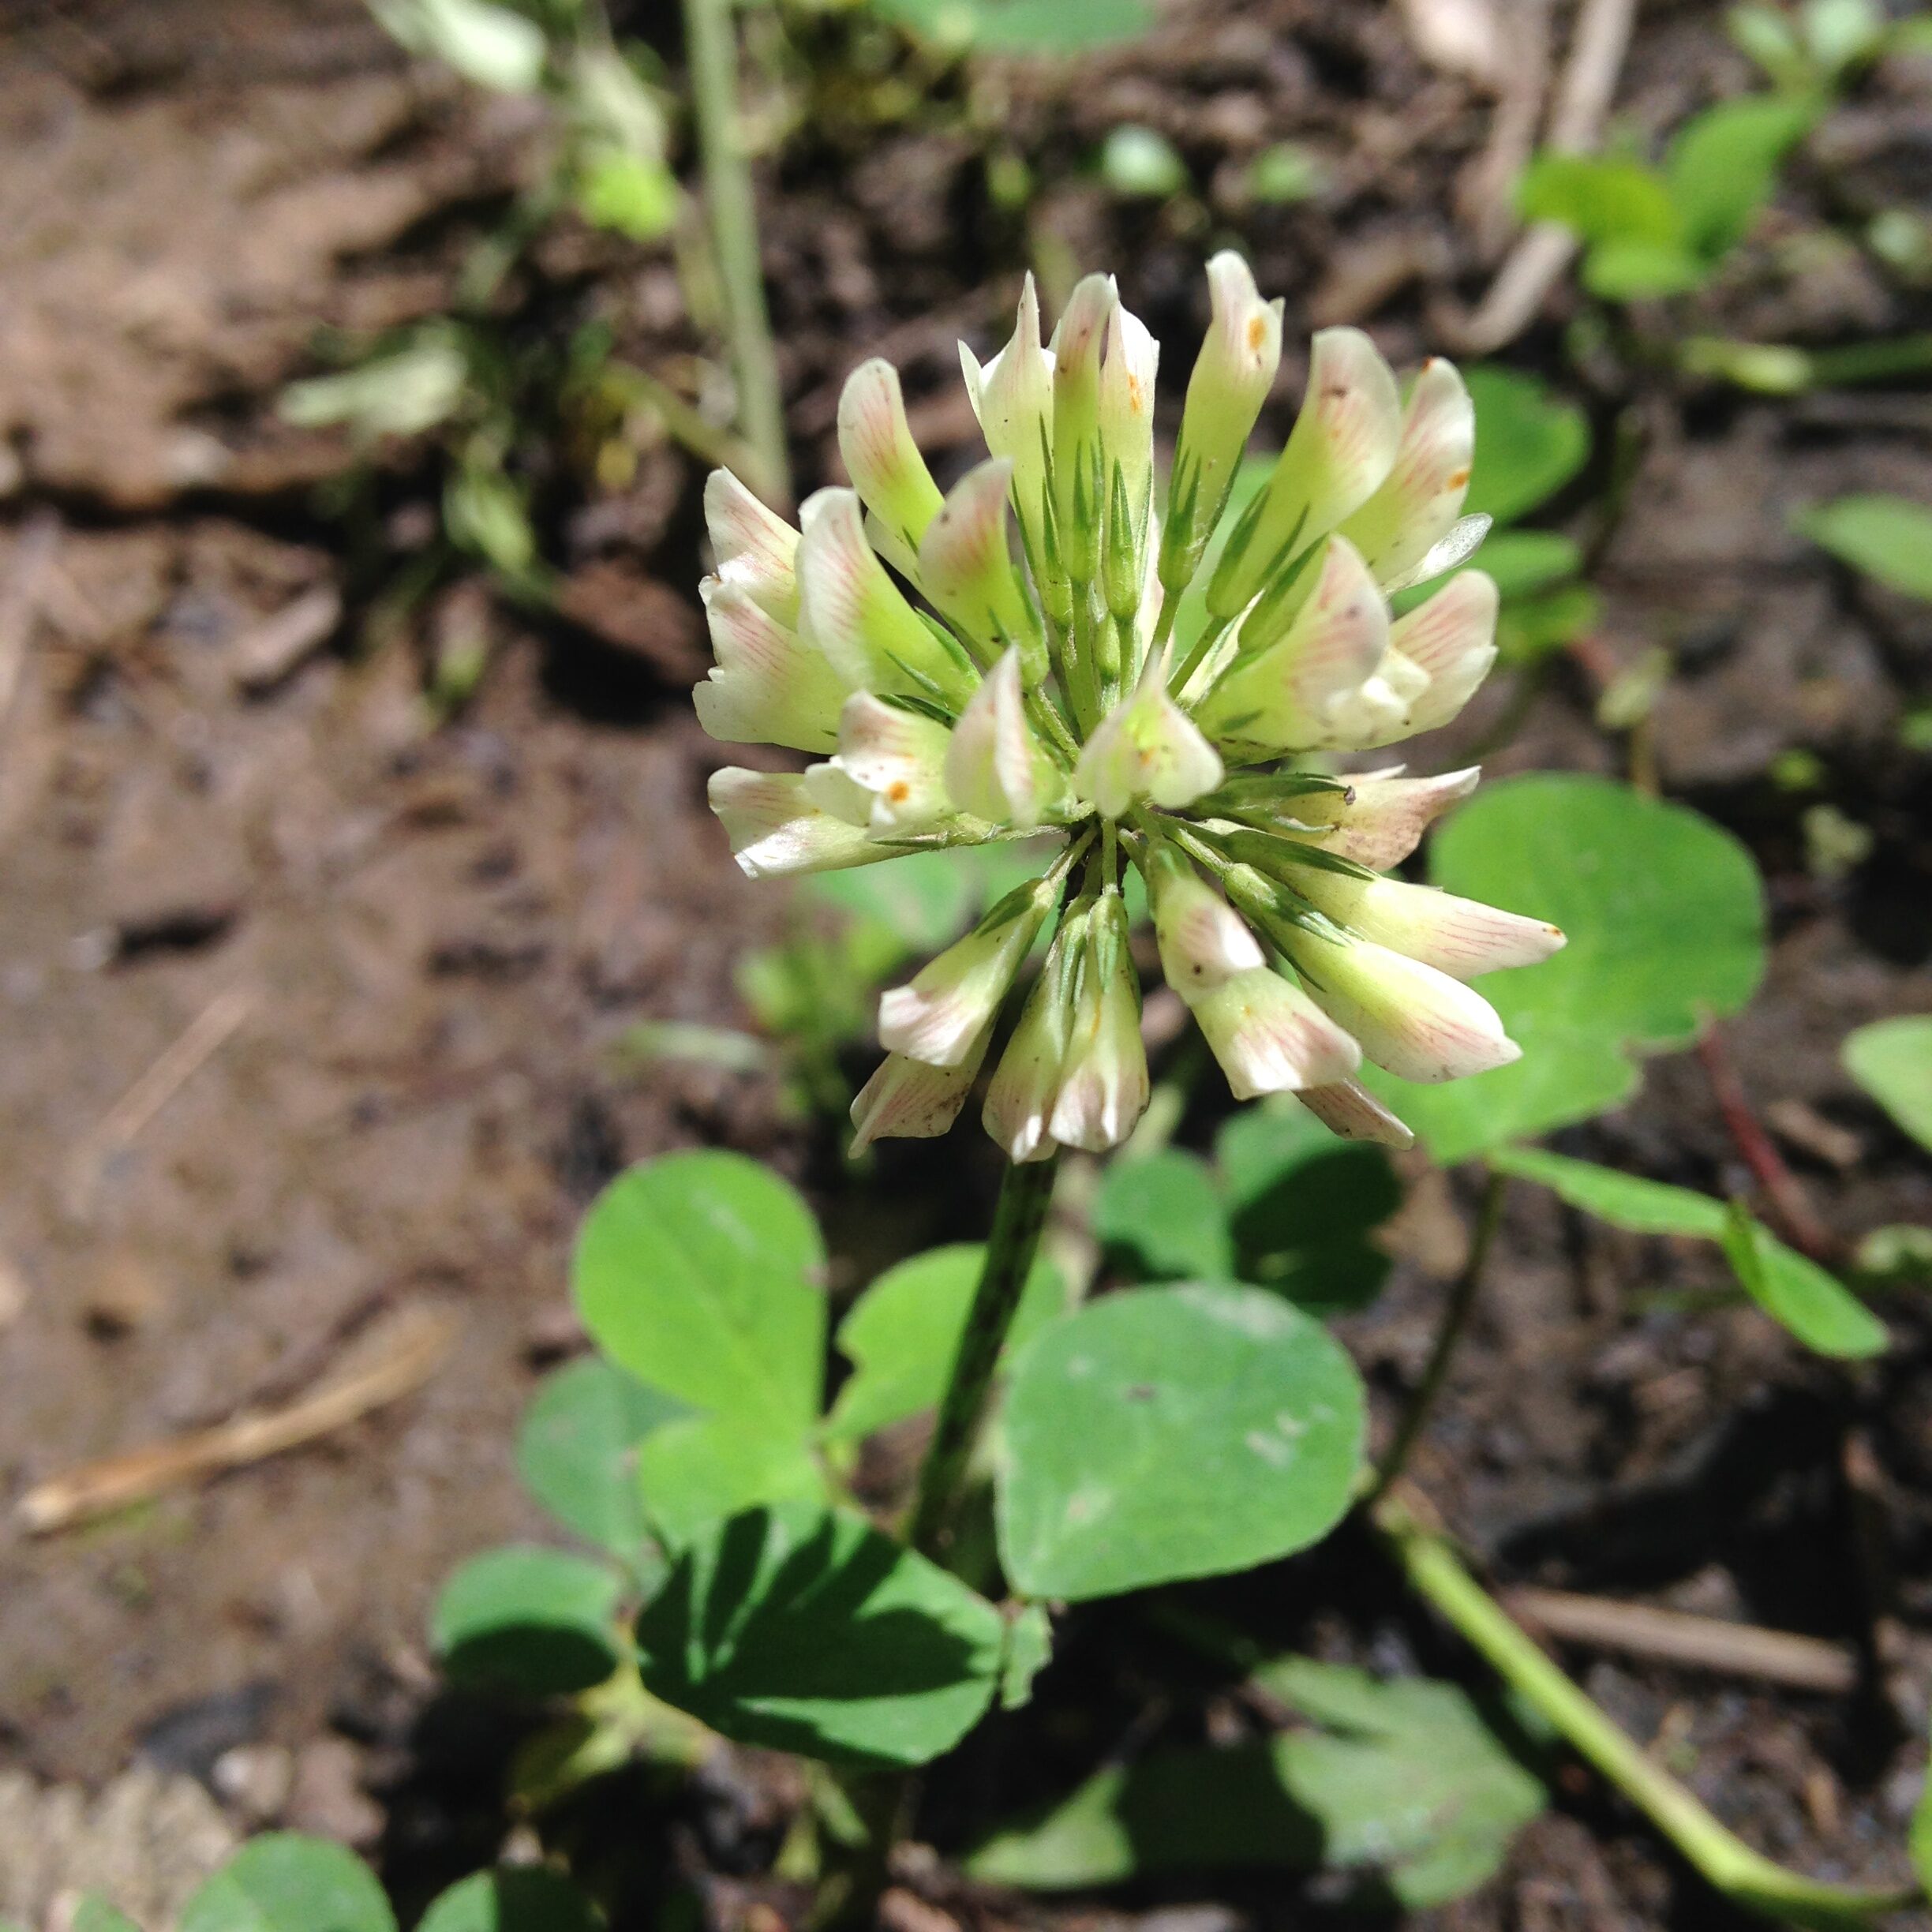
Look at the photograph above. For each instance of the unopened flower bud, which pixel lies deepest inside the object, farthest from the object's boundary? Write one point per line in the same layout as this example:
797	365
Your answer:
1103	1077
1342	445
1233	375
1013	395
860	617
967	567
1020	1099
952	1000
776	829
1079	466
882	460
1147	747
908	1100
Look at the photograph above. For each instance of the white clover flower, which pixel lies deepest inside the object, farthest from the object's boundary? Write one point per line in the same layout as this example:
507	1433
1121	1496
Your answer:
999	660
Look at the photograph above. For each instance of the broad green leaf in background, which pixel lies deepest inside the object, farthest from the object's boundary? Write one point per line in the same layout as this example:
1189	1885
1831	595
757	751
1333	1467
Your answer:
1723	164
1888	538
698	1273
1160	1217
1600	199
576	1450
805	1630
1165	1432
95	1913
1401	1779
285	1882
537	1621
1665	913
1891	1060
1624	1200
696	1472
1638	270
525	1898
1035	27
1529	442
901	1334
1139	163
1816	1307
1526	560
1303	1204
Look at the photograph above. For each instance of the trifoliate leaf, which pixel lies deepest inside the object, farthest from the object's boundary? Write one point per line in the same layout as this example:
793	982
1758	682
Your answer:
537	1621
1665	913
285	1882
699	1274
1166	1432
805	1630
1402	1779
695	1471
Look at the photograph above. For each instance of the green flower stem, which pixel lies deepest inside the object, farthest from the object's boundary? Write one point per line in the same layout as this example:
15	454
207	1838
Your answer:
1745	1877
1455	1319
1024	1195
1210	635
711	47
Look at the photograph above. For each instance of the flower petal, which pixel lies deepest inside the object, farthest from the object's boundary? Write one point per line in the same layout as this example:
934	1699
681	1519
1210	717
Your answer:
1418	503
1343	446
967	567
775	830
995	767
952	1000
1270	1037
769	687
897	757
1383	821
859	617
1418	1022
1203	942
1460	937
757	550
1348	1108
881	459
1147	747
908	1100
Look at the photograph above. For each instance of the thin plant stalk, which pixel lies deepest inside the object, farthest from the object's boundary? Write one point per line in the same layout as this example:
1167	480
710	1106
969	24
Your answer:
711	47
1455	1319
1024	1195
1745	1877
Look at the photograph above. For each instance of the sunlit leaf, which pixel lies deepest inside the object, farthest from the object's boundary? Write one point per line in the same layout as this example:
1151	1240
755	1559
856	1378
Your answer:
1401	1780
1600	199
1665	913
285	1882
698	1273
806	1630
1039	26
1624	1200
1887	537
576	1450
1528	443
696	1471
1816	1307
901	1334
1166	1432
538	1621
528	1898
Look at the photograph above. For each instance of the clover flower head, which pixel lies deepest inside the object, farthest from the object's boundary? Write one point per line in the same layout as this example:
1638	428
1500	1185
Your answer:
1008	658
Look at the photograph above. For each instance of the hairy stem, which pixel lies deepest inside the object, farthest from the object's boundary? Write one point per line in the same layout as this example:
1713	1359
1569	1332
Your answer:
711	47
1017	1220
1455	1319
1745	1877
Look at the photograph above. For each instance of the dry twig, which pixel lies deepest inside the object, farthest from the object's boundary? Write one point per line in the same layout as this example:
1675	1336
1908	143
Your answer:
406	1352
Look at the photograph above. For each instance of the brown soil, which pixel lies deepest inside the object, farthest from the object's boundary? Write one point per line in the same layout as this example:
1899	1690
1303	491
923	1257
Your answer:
434	934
